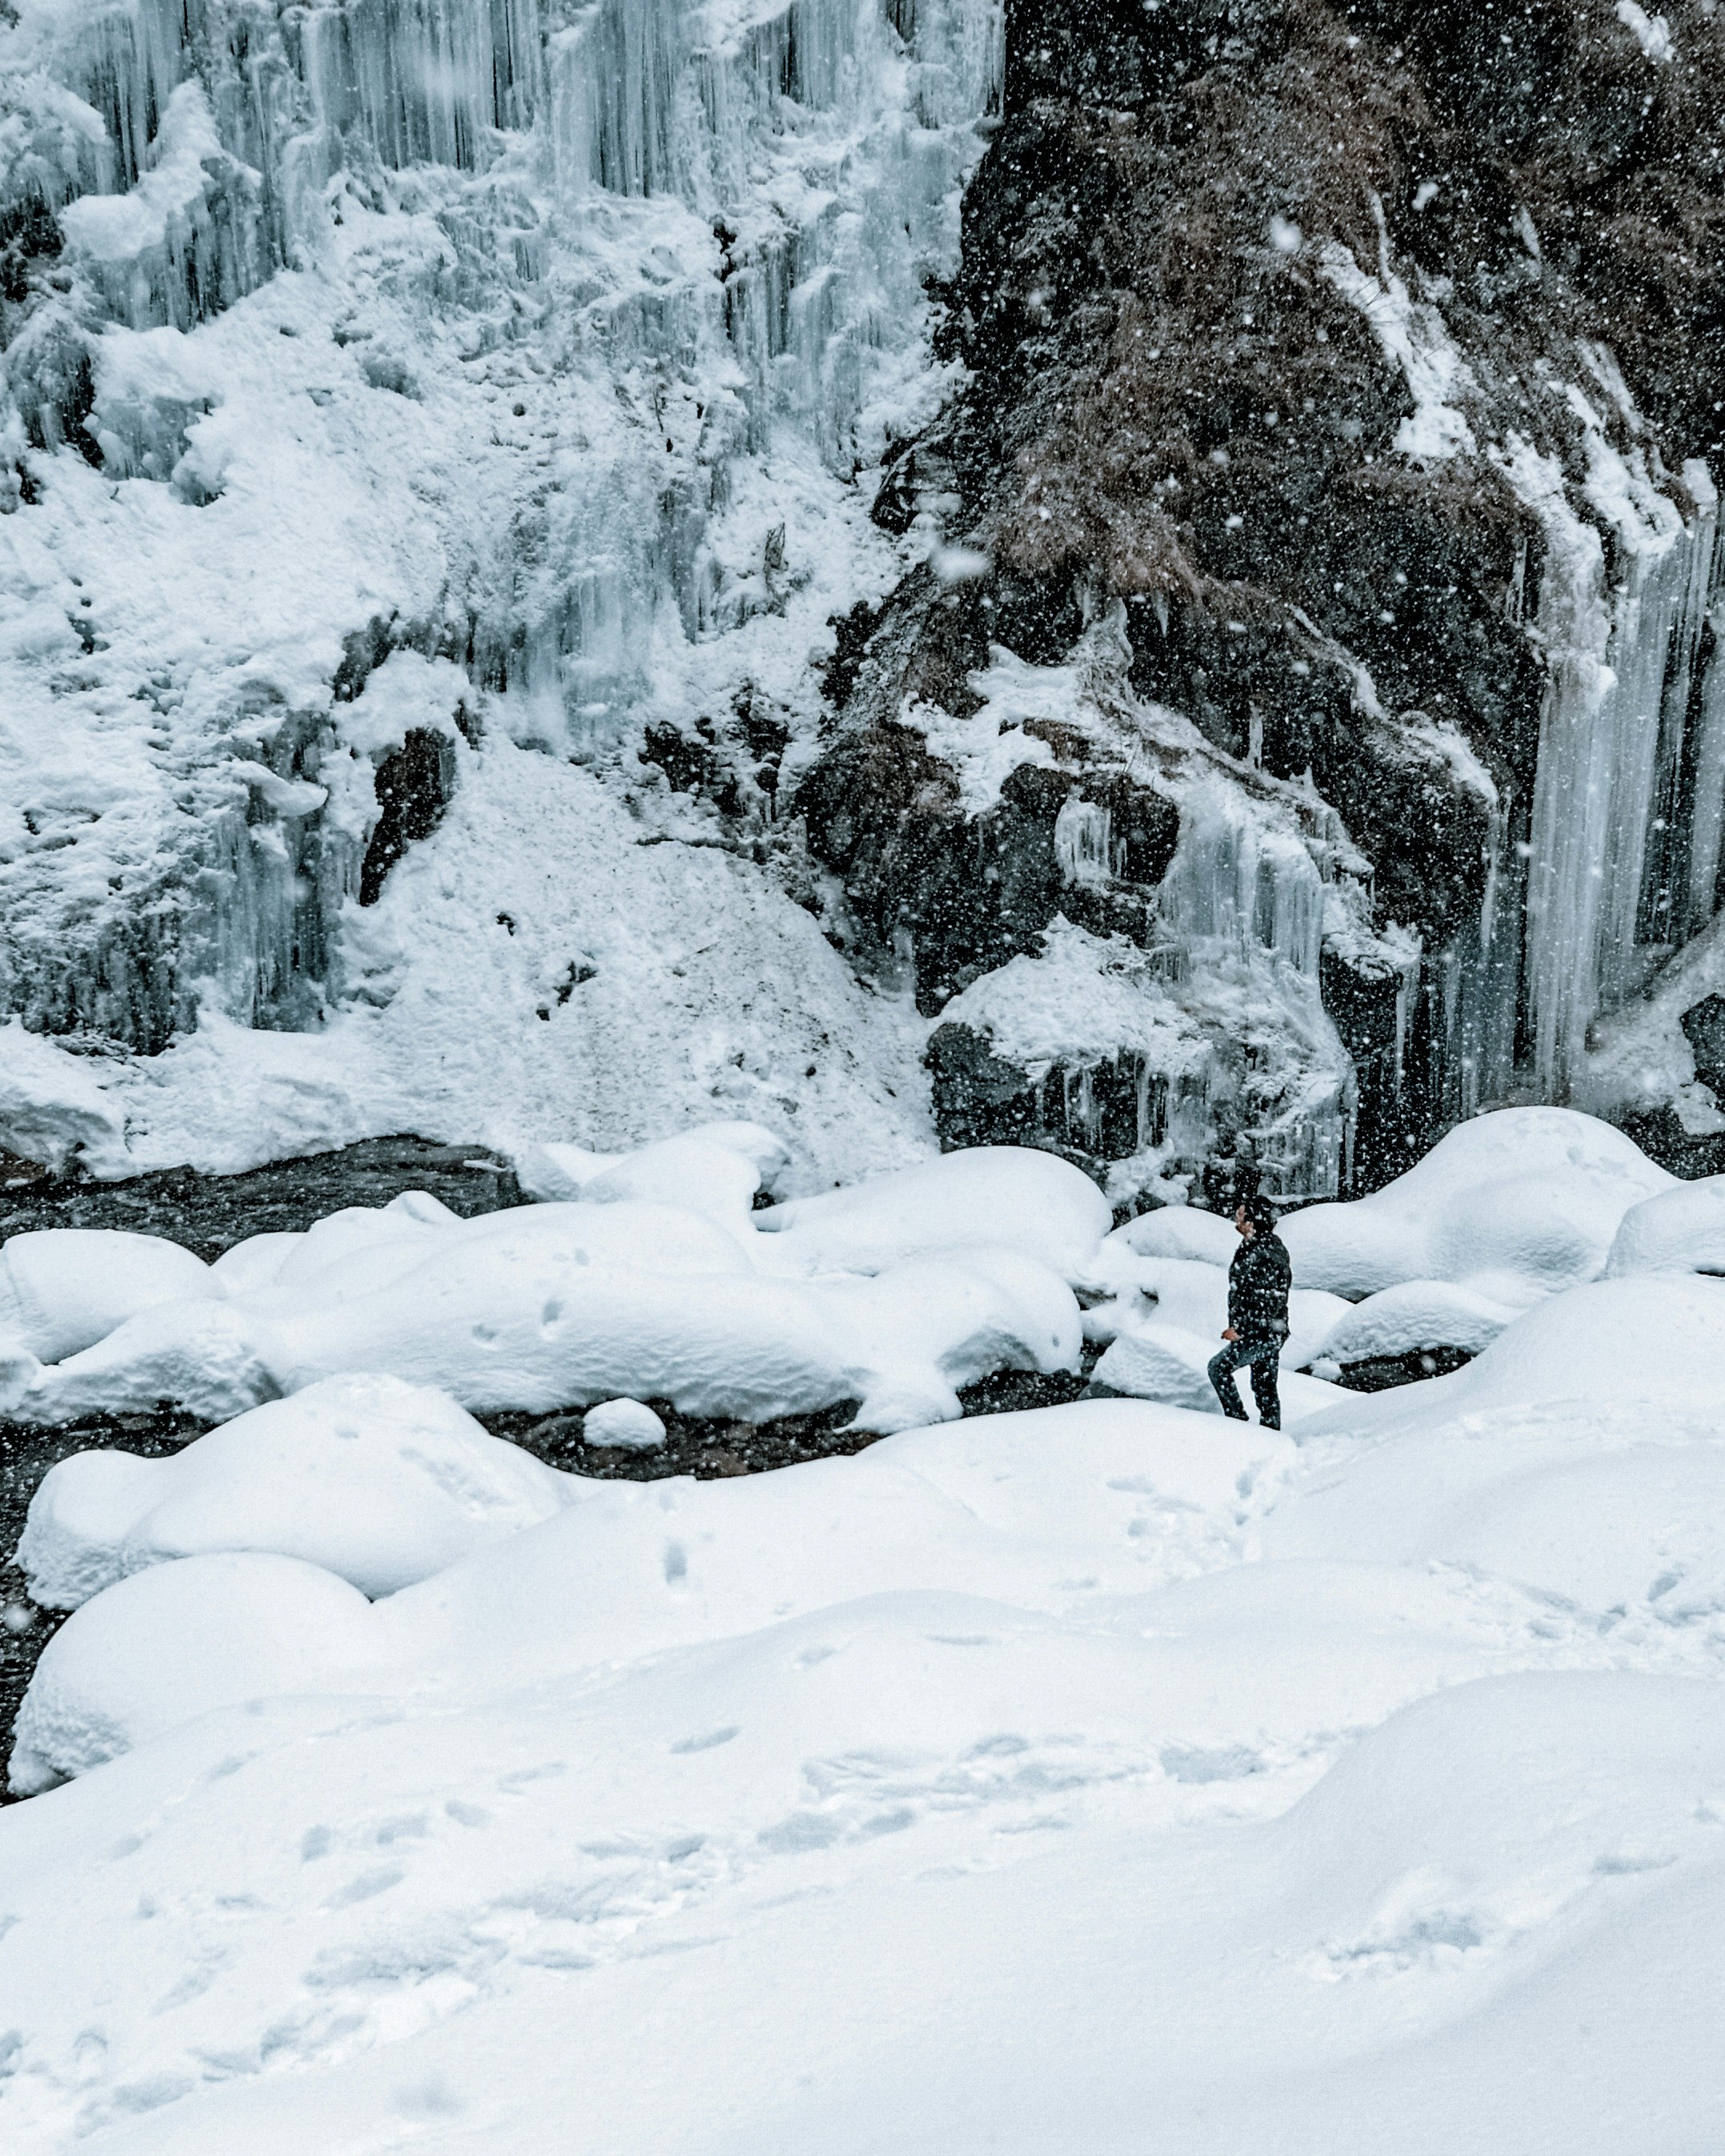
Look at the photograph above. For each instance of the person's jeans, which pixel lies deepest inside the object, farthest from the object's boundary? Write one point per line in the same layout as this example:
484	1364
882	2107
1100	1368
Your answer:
1263	1357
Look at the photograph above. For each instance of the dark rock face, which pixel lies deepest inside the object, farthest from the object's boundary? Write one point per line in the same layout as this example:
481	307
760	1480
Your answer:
1182	402
414	785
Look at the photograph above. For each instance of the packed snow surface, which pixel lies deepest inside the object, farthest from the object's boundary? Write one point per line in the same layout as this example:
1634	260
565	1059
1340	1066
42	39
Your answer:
1006	1785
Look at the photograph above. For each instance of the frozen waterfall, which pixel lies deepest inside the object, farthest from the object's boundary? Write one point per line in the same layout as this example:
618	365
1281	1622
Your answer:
542	339
1625	842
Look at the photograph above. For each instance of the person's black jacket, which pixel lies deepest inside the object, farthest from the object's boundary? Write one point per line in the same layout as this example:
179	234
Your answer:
1258	1284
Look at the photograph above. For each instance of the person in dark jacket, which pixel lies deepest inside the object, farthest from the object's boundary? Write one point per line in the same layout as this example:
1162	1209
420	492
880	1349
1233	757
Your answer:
1258	1284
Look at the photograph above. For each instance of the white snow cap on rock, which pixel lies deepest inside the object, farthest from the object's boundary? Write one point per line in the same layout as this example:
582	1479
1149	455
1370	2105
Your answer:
1166	1362
715	1170
980	1508
382	1482
1180	1231
1515	1205
1411	1317
893	1294
625	1426
1680	1230
51	1108
1009	1197
62	1288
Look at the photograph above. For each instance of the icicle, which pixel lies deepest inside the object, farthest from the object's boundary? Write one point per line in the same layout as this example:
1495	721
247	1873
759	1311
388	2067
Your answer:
1082	841
1602	740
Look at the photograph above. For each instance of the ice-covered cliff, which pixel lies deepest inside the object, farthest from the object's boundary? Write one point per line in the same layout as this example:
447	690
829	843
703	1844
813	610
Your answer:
1361	363
427	418
1144	577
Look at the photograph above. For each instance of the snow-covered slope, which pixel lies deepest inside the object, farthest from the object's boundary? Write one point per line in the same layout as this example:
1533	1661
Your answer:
1008	1786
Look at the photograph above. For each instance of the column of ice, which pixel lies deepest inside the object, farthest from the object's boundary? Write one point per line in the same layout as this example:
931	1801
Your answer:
1083	843
1705	835
422	81
1243	898
1610	656
1239	886
783	129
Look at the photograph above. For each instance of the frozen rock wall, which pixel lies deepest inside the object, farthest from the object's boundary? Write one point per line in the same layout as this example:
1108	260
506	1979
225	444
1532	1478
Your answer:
1358	363
527	529
396	391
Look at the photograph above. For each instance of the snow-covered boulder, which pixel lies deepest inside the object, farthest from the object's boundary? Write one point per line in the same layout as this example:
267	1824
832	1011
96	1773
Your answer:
1116	1493
175	1642
1180	1231
380	1481
1515	1204
1411	1318
555	1306
624	1425
62	1288
1009	1196
1577	1455
1193	1296
715	1170
1632	1352
1165	1362
1682	1230
52	1110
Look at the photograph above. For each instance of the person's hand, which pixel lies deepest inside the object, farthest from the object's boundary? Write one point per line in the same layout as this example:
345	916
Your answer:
1230	1334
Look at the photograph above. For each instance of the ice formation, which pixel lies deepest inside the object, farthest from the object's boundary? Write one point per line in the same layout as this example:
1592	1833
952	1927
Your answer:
1622	858
425	402
1145	1049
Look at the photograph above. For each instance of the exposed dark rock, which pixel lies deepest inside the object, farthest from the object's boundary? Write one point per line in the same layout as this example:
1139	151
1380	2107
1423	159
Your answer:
1172	403
1662	1137
1378	1374
1704	1025
209	1214
414	783
979	1097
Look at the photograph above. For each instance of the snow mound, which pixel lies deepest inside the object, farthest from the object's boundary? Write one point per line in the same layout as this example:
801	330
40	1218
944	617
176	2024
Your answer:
1679	1230
1193	1296
51	1109
1119	1488
1412	1317
1012	1196
1158	1361
1180	1231
1578	1456
1408	1733
1633	1527
558	1305
715	1170
238	1627
1515	1205
62	1288
626	1425
380	1482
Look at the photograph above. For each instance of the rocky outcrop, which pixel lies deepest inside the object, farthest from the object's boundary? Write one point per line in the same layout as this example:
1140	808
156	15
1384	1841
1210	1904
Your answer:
1343	359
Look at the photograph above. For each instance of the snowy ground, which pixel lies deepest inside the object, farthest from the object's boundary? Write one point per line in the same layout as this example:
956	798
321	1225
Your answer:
1098	1777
